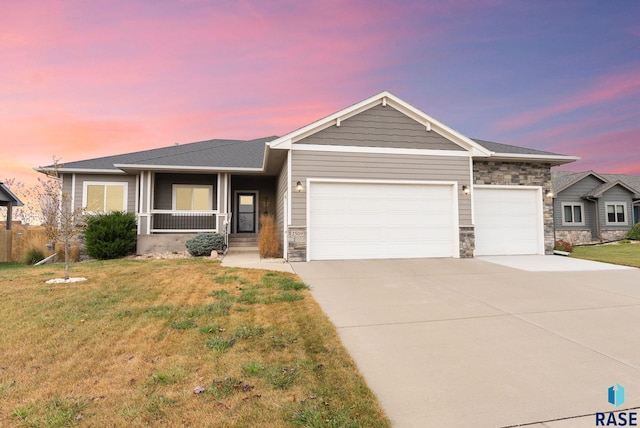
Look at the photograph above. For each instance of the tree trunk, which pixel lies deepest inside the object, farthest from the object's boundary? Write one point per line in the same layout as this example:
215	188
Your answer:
66	259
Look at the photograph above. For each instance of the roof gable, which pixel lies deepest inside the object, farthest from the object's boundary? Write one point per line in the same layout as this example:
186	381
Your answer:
605	187
601	183
562	181
6	197
383	99
381	127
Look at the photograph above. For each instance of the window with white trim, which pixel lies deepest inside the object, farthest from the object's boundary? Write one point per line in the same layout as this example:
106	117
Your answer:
572	214
616	213
104	196
192	197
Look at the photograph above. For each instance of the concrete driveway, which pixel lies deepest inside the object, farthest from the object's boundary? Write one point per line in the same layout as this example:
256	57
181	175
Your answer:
477	343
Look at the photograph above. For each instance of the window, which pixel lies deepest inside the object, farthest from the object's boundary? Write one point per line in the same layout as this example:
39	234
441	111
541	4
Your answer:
572	214
192	197
104	197
616	213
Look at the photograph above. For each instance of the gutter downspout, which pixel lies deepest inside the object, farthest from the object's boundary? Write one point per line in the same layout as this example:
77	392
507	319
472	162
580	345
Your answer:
597	216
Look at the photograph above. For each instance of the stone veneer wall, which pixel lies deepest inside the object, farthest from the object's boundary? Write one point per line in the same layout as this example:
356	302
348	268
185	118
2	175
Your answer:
297	244
575	237
612	235
467	241
520	174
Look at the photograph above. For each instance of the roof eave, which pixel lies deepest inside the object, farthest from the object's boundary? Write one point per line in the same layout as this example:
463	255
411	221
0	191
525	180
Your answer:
551	159
67	170
183	168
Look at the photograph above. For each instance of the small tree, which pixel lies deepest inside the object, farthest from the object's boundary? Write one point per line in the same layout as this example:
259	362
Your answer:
60	220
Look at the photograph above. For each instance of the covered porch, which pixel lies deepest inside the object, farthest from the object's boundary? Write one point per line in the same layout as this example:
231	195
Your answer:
175	205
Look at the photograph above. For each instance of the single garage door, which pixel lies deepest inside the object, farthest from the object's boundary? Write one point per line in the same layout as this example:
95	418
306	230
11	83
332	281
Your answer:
375	221
508	221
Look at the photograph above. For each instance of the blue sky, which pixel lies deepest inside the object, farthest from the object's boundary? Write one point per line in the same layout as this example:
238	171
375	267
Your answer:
87	79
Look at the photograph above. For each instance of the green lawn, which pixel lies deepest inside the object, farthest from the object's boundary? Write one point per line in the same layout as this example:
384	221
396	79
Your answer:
129	346
620	254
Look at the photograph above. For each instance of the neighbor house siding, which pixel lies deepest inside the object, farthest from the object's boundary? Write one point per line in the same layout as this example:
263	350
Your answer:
573	194
102	178
368	166
616	194
381	127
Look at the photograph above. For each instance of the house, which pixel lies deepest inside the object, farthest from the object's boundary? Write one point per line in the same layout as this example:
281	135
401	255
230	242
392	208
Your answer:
378	179
9	200
592	207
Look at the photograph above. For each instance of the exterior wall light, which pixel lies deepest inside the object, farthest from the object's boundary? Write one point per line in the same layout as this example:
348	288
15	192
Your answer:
548	193
465	189
299	186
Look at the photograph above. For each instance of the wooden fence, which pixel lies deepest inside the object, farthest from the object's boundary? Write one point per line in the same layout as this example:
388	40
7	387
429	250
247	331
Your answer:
14	244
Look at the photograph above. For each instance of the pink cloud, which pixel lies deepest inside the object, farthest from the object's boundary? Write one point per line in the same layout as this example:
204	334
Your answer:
614	87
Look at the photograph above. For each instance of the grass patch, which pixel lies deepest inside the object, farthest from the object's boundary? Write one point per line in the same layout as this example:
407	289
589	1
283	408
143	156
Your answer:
626	254
58	412
127	348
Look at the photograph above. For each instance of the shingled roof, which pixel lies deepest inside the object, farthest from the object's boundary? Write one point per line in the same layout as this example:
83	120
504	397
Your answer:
216	154
509	149
563	179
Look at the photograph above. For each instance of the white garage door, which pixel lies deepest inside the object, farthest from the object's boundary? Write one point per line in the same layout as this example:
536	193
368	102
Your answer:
508	221
375	221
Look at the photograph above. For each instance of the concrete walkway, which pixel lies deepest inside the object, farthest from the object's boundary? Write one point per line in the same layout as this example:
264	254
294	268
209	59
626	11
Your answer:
252	260
473	343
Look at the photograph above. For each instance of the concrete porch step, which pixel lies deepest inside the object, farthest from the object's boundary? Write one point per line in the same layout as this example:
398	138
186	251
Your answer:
243	240
242	249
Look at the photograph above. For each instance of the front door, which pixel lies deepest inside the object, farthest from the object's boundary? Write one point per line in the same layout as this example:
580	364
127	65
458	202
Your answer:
246	203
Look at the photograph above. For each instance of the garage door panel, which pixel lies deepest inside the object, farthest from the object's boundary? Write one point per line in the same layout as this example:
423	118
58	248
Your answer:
507	221
358	220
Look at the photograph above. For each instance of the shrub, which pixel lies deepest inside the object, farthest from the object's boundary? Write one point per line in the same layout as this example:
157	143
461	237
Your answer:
268	244
33	256
203	244
634	232
111	235
563	245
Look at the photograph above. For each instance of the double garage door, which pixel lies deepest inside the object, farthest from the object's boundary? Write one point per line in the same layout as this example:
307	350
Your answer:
386	220
380	220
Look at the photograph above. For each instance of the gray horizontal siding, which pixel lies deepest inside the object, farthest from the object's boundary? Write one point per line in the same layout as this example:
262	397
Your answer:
107	178
369	166
574	194
381	127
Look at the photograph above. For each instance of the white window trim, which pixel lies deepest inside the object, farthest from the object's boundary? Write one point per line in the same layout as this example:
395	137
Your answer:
105	183
624	210
572	204
200	186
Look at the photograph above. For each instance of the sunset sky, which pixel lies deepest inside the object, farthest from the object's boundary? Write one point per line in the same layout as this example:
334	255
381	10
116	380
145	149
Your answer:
83	79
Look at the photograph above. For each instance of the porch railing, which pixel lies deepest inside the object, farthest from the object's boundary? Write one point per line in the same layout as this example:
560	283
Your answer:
183	221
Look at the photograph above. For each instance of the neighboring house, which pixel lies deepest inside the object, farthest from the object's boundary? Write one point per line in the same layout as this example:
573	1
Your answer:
9	200
592	207
378	179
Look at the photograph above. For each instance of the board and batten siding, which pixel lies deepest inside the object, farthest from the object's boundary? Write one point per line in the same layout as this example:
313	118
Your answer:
67	183
381	127
372	166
